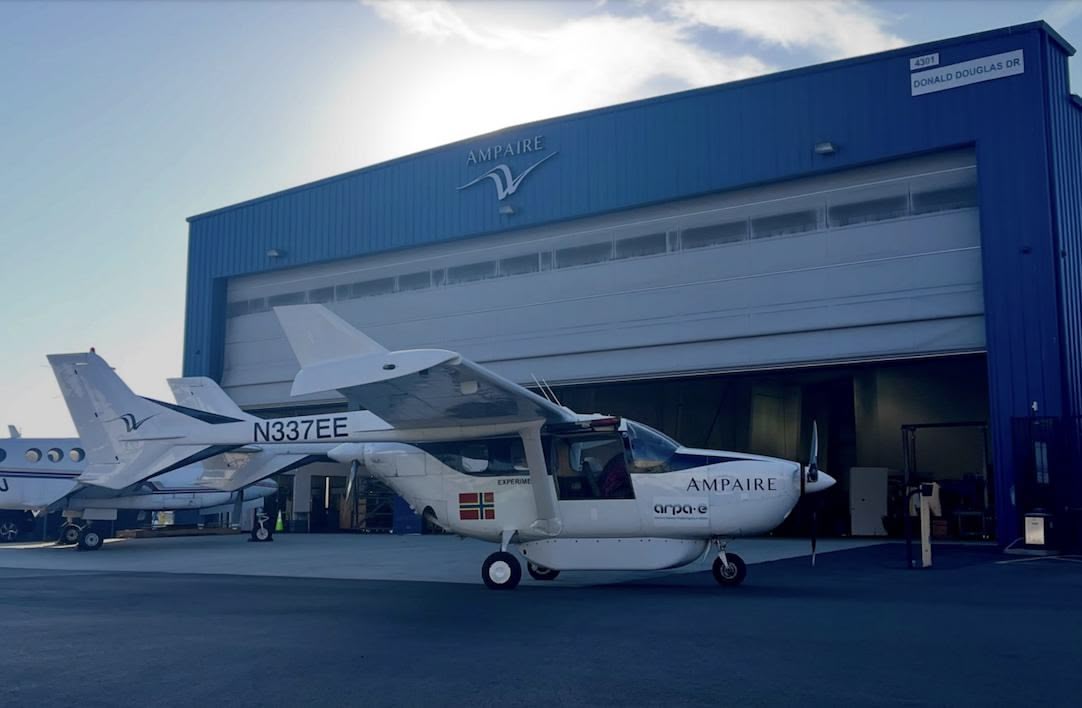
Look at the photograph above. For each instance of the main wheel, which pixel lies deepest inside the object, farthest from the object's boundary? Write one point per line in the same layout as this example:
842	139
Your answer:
734	574
538	573
69	535
90	540
261	533
501	571
9	530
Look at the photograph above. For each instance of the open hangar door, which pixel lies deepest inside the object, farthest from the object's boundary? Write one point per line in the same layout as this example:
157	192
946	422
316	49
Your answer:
860	410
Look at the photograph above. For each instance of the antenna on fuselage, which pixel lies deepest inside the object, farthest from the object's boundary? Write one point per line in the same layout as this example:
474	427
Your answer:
541	388
13	432
552	394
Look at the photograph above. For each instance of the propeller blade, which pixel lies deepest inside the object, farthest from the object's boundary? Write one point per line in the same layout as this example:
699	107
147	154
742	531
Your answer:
814	528
352	478
813	458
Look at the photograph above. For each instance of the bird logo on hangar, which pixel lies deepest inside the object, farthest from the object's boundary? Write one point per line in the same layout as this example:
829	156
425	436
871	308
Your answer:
506	182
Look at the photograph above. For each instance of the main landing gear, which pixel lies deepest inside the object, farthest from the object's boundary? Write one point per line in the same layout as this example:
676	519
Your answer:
89	539
538	573
85	538
501	571
729	569
69	535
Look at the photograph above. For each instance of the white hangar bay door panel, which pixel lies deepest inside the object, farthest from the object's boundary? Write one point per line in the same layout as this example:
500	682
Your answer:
878	262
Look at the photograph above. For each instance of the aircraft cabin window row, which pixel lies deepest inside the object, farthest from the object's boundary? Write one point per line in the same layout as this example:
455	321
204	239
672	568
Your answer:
55	454
948	190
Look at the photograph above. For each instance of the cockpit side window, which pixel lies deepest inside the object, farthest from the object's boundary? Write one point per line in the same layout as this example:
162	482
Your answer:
589	467
649	451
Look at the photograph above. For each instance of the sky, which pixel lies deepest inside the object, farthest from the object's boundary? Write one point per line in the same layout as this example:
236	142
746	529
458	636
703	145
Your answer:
118	120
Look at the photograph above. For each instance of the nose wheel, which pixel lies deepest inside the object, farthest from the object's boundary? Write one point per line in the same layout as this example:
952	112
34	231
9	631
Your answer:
501	571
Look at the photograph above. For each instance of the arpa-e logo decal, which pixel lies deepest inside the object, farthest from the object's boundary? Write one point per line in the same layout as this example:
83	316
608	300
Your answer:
693	511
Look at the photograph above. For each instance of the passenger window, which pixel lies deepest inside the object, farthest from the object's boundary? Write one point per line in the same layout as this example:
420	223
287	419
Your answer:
590	467
495	457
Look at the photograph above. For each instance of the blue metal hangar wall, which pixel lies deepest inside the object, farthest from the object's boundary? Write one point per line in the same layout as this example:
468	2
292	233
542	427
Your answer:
712	261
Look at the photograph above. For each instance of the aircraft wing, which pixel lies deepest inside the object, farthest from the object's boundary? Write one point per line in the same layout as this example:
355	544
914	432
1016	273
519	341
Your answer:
413	388
424	390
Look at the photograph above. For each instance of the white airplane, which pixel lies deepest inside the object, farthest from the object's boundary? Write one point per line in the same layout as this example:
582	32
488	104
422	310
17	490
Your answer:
48	474
476	454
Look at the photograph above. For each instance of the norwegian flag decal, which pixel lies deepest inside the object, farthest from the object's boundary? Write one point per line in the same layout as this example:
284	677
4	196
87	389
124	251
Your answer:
475	506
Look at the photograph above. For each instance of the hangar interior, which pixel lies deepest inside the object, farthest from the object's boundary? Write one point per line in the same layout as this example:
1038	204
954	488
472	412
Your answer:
731	322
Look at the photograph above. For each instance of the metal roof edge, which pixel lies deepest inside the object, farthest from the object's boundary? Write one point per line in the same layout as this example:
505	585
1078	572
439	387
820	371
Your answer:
1039	25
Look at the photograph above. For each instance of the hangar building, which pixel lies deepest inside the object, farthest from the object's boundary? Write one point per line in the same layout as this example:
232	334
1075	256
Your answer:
886	241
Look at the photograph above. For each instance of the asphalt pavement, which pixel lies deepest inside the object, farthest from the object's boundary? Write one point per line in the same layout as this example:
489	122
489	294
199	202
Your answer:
859	629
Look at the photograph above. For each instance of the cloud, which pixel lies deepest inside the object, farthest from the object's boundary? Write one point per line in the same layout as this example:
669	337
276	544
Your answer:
611	55
831	29
1062	13
434	20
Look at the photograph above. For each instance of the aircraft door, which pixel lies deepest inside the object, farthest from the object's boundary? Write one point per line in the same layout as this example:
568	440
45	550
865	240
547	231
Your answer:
594	488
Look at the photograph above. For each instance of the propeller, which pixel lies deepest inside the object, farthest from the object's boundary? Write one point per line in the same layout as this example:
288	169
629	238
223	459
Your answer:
352	479
812	476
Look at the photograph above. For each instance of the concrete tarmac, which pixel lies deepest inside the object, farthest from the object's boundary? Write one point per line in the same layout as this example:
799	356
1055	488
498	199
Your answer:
341	556
859	629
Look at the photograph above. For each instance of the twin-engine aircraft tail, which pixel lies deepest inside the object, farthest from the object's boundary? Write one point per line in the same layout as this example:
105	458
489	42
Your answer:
127	438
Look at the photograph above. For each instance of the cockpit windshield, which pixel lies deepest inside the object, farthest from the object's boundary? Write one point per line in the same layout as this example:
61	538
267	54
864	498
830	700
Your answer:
648	449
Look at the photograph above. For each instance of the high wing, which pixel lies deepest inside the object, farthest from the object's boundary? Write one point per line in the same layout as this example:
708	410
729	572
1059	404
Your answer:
422	390
413	388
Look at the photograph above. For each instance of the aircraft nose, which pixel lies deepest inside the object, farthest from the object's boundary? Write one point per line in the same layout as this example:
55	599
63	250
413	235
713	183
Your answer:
825	481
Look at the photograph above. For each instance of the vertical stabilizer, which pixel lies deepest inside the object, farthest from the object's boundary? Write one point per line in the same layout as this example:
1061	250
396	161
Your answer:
127	438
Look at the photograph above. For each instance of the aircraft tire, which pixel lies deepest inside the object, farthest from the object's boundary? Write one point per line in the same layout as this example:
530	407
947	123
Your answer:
9	530
90	540
261	533
501	571
735	574
69	535
538	573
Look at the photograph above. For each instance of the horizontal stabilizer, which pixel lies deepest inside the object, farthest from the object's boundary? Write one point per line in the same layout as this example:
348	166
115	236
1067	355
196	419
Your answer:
237	470
205	394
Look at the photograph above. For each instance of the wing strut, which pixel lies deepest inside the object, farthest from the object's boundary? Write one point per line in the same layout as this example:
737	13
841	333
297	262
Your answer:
544	492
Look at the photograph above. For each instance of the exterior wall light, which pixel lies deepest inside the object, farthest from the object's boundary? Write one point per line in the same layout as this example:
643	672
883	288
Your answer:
825	148
507	209
274	253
